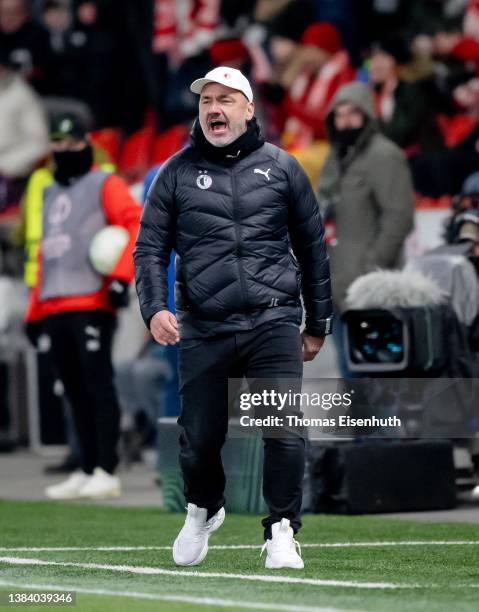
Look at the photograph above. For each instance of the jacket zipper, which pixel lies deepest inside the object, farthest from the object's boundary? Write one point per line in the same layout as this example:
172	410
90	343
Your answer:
238	249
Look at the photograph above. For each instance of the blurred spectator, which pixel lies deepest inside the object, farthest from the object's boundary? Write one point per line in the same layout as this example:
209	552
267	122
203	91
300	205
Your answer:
231	52
132	68
283	35
88	50
23	40
75	306
23	133
236	13
366	186
435	30
57	18
29	230
442	172
463	203
190	37
401	106
289	19
183	28
266	10
345	15
466	97
381	16
365	193
182	33
60	76
285	31
81	59
317	69
429	17
462	43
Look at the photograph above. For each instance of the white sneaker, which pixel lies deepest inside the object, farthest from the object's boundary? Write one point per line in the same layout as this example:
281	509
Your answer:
281	549
475	493
191	545
69	488
101	485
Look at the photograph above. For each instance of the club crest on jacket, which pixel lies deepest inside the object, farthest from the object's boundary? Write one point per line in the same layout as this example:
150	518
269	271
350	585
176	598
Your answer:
204	180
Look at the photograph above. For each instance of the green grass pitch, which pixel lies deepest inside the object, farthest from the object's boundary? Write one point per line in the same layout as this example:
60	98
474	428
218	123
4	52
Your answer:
389	577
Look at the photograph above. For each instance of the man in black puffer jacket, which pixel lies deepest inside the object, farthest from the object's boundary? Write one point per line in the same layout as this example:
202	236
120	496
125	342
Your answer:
246	227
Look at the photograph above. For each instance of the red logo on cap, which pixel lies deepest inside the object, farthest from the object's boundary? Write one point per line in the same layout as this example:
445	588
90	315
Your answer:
227	75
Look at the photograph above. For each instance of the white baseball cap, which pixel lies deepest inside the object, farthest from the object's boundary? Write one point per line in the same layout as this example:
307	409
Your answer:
224	75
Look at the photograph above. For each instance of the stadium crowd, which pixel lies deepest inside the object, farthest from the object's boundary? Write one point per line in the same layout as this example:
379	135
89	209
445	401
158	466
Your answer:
131	63
125	66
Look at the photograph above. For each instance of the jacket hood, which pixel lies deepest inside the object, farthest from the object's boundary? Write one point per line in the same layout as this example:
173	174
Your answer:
361	96
355	93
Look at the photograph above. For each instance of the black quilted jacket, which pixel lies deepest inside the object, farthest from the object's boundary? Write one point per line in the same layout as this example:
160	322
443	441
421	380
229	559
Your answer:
248	237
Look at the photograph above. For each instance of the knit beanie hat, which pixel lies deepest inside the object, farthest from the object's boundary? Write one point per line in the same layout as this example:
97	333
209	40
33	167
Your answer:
323	35
229	50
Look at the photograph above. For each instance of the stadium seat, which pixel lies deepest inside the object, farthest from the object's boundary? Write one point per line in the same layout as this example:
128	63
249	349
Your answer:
134	159
454	129
109	140
168	143
425	202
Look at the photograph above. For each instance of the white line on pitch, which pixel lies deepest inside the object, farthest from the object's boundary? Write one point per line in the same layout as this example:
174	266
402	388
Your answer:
241	546
132	569
202	601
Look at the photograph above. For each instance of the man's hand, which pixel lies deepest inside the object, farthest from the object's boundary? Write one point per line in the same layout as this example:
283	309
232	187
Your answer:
311	346
164	328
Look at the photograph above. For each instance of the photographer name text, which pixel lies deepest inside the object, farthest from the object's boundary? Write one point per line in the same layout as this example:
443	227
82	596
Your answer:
292	420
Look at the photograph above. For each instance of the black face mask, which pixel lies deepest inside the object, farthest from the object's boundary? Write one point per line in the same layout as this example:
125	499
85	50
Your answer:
347	137
70	165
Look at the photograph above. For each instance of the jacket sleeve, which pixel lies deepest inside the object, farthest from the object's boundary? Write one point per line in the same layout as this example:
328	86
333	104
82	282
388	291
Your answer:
122	209
156	240
394	196
307	238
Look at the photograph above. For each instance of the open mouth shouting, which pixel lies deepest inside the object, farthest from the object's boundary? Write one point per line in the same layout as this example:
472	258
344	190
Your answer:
217	126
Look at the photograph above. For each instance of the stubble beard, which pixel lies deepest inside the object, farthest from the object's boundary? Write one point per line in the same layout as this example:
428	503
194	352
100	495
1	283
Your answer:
226	140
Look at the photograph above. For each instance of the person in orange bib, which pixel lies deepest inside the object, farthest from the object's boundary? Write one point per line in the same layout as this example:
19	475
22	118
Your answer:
72	306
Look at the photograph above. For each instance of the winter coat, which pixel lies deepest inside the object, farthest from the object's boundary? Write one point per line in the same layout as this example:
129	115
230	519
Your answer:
410	122
23	127
369	194
248	237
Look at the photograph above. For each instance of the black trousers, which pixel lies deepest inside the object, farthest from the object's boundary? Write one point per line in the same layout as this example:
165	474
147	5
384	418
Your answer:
81	350
271	351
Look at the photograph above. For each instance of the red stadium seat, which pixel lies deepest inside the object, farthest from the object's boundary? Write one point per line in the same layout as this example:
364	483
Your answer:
135	154
454	129
425	202
109	140
168	143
